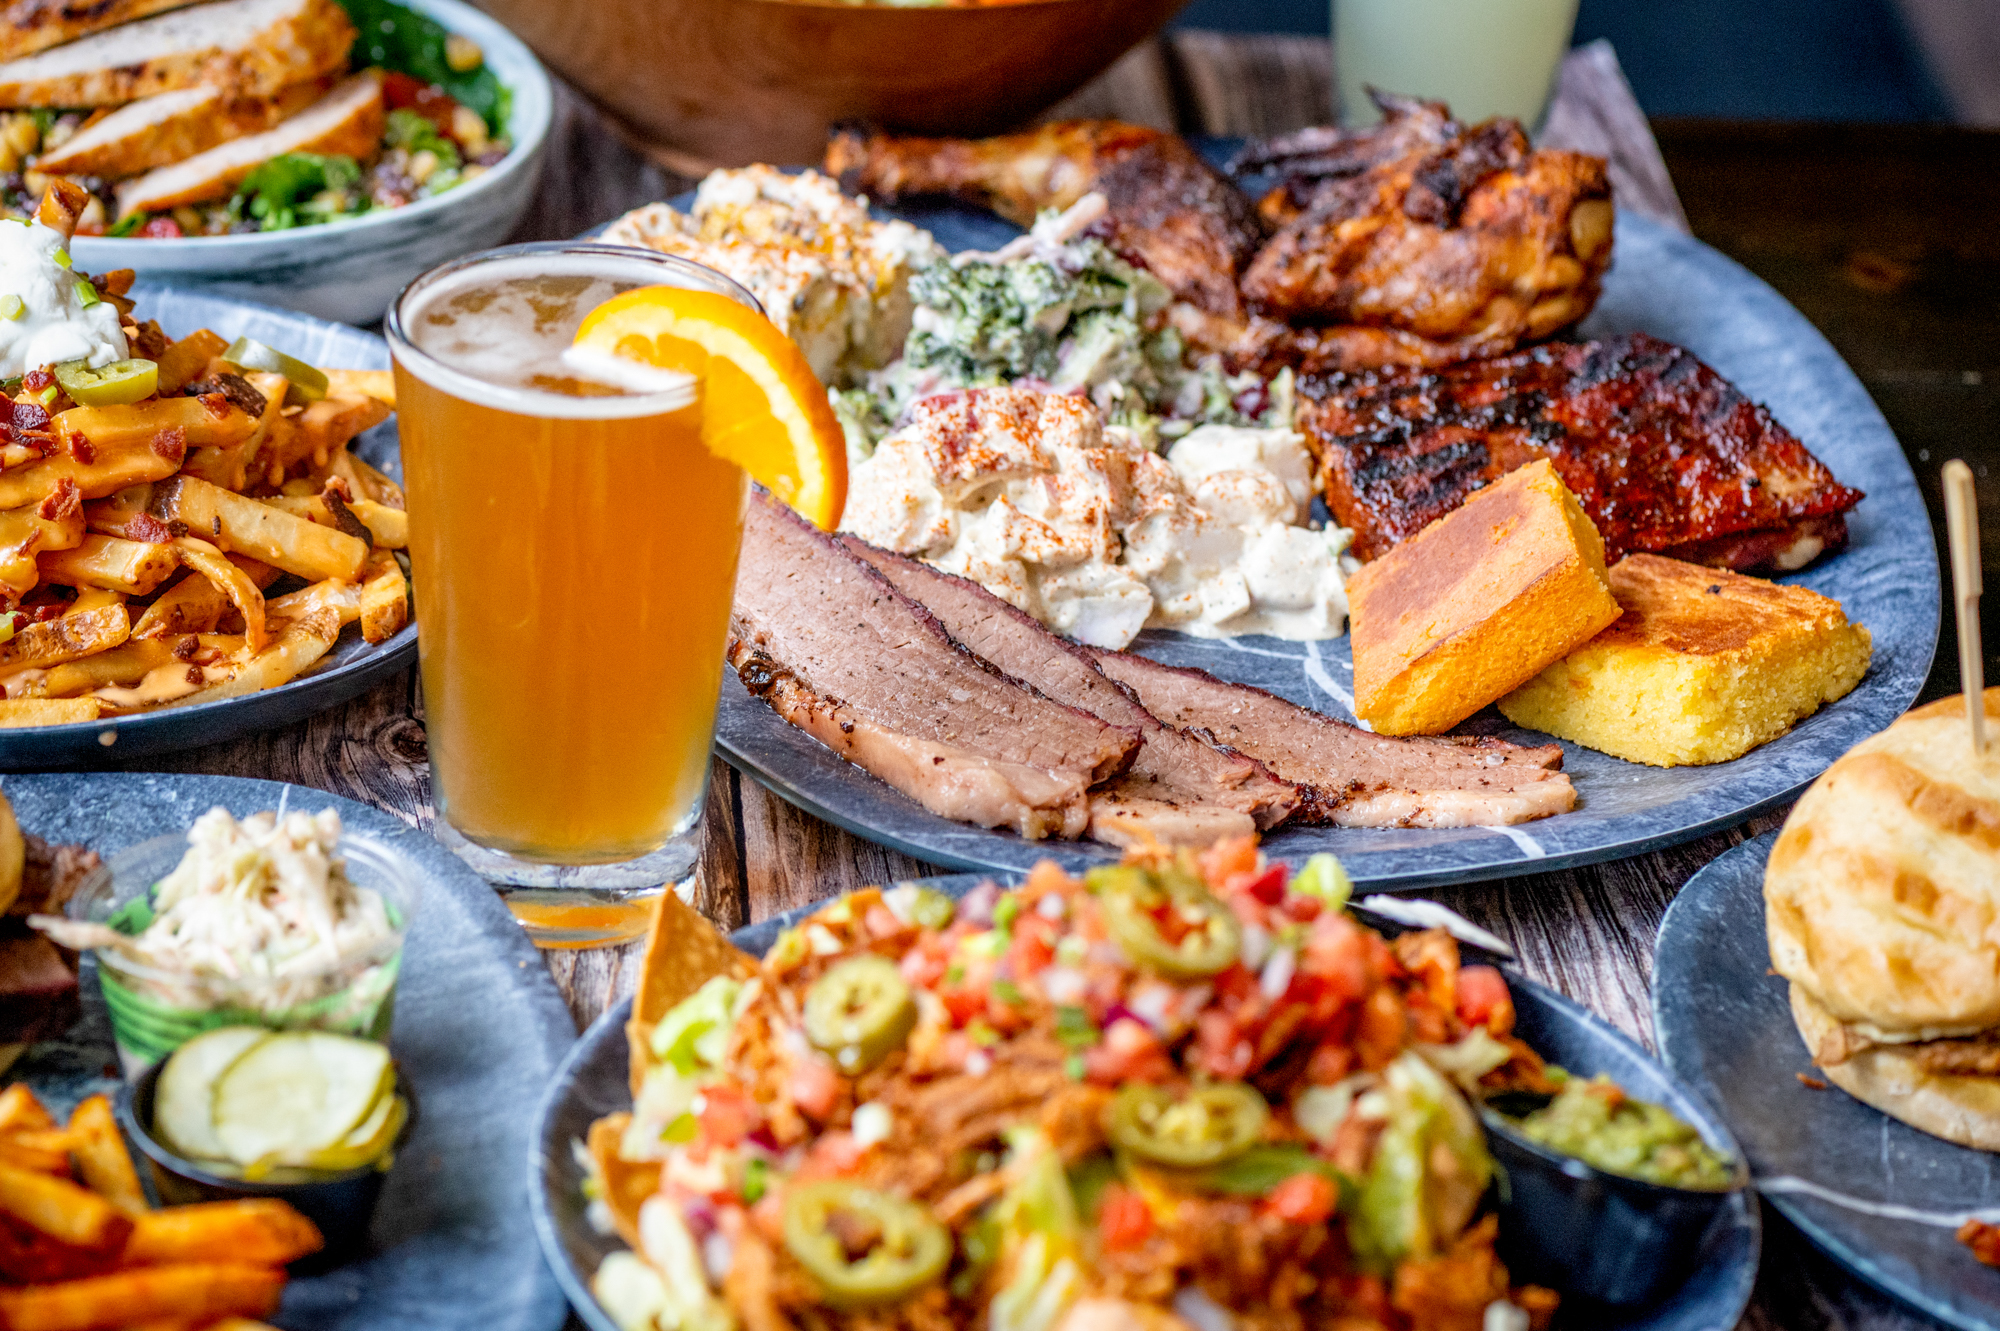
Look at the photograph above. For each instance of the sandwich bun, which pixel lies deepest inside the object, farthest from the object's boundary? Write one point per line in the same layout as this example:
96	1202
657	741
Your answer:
1882	906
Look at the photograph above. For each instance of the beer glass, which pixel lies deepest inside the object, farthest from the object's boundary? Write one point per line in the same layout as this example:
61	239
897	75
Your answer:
573	553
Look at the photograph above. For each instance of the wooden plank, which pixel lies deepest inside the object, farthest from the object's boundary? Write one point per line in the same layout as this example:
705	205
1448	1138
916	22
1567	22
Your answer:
1244	85
1139	89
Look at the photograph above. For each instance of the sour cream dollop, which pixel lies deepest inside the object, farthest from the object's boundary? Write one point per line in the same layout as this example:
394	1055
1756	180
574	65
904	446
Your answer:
52	325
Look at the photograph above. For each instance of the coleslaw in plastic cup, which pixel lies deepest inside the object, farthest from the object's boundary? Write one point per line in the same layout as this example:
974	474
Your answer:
286	923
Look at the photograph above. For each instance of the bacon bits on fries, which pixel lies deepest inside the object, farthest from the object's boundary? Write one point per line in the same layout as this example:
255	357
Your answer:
138	540
81	1249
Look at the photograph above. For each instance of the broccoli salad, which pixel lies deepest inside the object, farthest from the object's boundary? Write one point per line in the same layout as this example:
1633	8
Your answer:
1058	308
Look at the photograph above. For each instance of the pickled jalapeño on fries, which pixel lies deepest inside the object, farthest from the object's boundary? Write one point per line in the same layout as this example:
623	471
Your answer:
573	547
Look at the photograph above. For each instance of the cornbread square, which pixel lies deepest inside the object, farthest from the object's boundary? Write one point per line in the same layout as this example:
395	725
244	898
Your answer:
1476	604
1702	666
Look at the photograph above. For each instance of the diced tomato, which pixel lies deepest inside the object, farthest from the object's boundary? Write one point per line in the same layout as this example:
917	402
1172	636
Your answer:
815	1087
1045	878
925	964
727	1114
1336	952
1129	1052
1267	887
1304	907
1123	1219
1222	1047
963	1002
1226	859
1034	945
401	92
1302	1199
161	228
768	1216
1484	1000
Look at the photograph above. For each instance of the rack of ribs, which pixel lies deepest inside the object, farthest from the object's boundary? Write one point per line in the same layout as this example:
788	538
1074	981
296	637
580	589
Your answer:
840	653
1666	455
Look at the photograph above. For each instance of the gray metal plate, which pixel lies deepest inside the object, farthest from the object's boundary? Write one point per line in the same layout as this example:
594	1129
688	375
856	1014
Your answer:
593	1082
351	668
1725	1027
479	1029
1662	283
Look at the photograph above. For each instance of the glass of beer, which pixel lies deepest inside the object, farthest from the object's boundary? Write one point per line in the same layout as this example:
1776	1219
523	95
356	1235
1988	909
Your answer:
573	553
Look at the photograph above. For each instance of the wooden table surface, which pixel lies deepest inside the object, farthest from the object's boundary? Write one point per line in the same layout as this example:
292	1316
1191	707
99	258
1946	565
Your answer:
1883	237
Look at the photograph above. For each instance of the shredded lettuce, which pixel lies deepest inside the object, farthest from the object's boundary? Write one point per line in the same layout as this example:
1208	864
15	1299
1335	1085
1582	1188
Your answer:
693	1036
1418	1197
1323	876
688	1303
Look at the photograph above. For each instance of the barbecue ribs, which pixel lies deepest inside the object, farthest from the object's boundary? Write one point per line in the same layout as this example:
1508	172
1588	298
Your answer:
1421	241
1192	227
1665	454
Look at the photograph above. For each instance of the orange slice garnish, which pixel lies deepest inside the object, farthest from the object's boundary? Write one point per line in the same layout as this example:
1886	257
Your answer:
762	407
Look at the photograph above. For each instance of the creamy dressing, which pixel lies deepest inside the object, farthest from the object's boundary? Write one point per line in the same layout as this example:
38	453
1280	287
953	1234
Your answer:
53	326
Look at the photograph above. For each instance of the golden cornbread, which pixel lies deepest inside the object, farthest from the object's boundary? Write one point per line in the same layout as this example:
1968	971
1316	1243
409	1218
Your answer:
1702	666
1475	604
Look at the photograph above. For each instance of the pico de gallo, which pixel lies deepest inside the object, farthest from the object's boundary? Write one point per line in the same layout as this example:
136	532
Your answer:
1186	1093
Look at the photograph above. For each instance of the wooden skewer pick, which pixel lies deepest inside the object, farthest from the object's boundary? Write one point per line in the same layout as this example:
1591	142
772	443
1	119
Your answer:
1961	515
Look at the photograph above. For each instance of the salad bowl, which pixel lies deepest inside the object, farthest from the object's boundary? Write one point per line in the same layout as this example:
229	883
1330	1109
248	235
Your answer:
348	270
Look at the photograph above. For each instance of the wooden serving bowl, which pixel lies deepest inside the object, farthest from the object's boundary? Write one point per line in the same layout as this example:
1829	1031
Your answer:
729	82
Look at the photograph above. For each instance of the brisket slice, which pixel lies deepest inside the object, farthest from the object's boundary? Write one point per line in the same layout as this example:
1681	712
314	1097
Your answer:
1348	777
1178	791
841	654
1666	455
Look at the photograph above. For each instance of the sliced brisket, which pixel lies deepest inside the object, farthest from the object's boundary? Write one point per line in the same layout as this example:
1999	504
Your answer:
1178	791
1348	777
840	653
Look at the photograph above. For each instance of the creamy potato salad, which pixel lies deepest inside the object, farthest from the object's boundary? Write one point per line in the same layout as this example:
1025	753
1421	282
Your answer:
1080	524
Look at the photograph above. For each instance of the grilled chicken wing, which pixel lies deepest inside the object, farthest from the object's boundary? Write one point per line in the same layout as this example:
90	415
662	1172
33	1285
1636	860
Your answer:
1422	241
1190	225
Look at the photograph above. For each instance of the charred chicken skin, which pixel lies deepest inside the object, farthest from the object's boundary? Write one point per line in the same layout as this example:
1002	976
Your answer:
1189	224
1421	241
1666	455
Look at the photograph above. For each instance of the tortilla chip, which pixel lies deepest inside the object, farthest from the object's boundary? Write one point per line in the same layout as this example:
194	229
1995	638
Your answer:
683	952
627	1183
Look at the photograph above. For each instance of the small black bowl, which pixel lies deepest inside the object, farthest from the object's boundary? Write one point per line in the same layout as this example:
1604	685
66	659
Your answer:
1588	1234
341	1205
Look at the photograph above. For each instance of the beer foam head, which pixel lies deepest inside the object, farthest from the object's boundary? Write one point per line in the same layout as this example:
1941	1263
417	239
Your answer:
499	333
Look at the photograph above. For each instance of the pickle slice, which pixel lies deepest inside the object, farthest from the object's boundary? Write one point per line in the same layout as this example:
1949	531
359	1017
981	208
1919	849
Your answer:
297	1094
114	385
368	1142
181	1098
251	354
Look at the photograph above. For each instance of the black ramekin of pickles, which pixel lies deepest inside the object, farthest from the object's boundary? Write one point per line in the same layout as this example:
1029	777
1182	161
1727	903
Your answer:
1604	1195
309	1117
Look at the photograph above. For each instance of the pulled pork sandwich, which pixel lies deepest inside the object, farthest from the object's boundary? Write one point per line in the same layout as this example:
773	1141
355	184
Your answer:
1178	1094
1882	902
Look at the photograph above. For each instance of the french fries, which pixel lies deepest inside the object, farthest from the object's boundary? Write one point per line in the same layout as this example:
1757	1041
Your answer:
245	526
138	541
81	1250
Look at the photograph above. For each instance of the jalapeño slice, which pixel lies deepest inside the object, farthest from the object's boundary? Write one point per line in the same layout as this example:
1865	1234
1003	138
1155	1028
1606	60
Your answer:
113	385
865	1248
860	1012
1168	923
1205	1126
251	354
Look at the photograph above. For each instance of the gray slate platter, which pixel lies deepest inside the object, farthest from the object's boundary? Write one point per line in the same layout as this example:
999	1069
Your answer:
1725	1028
593	1081
479	1029
348	670
1661	283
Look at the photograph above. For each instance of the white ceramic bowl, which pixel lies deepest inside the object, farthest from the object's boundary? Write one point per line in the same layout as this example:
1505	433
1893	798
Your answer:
350	270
